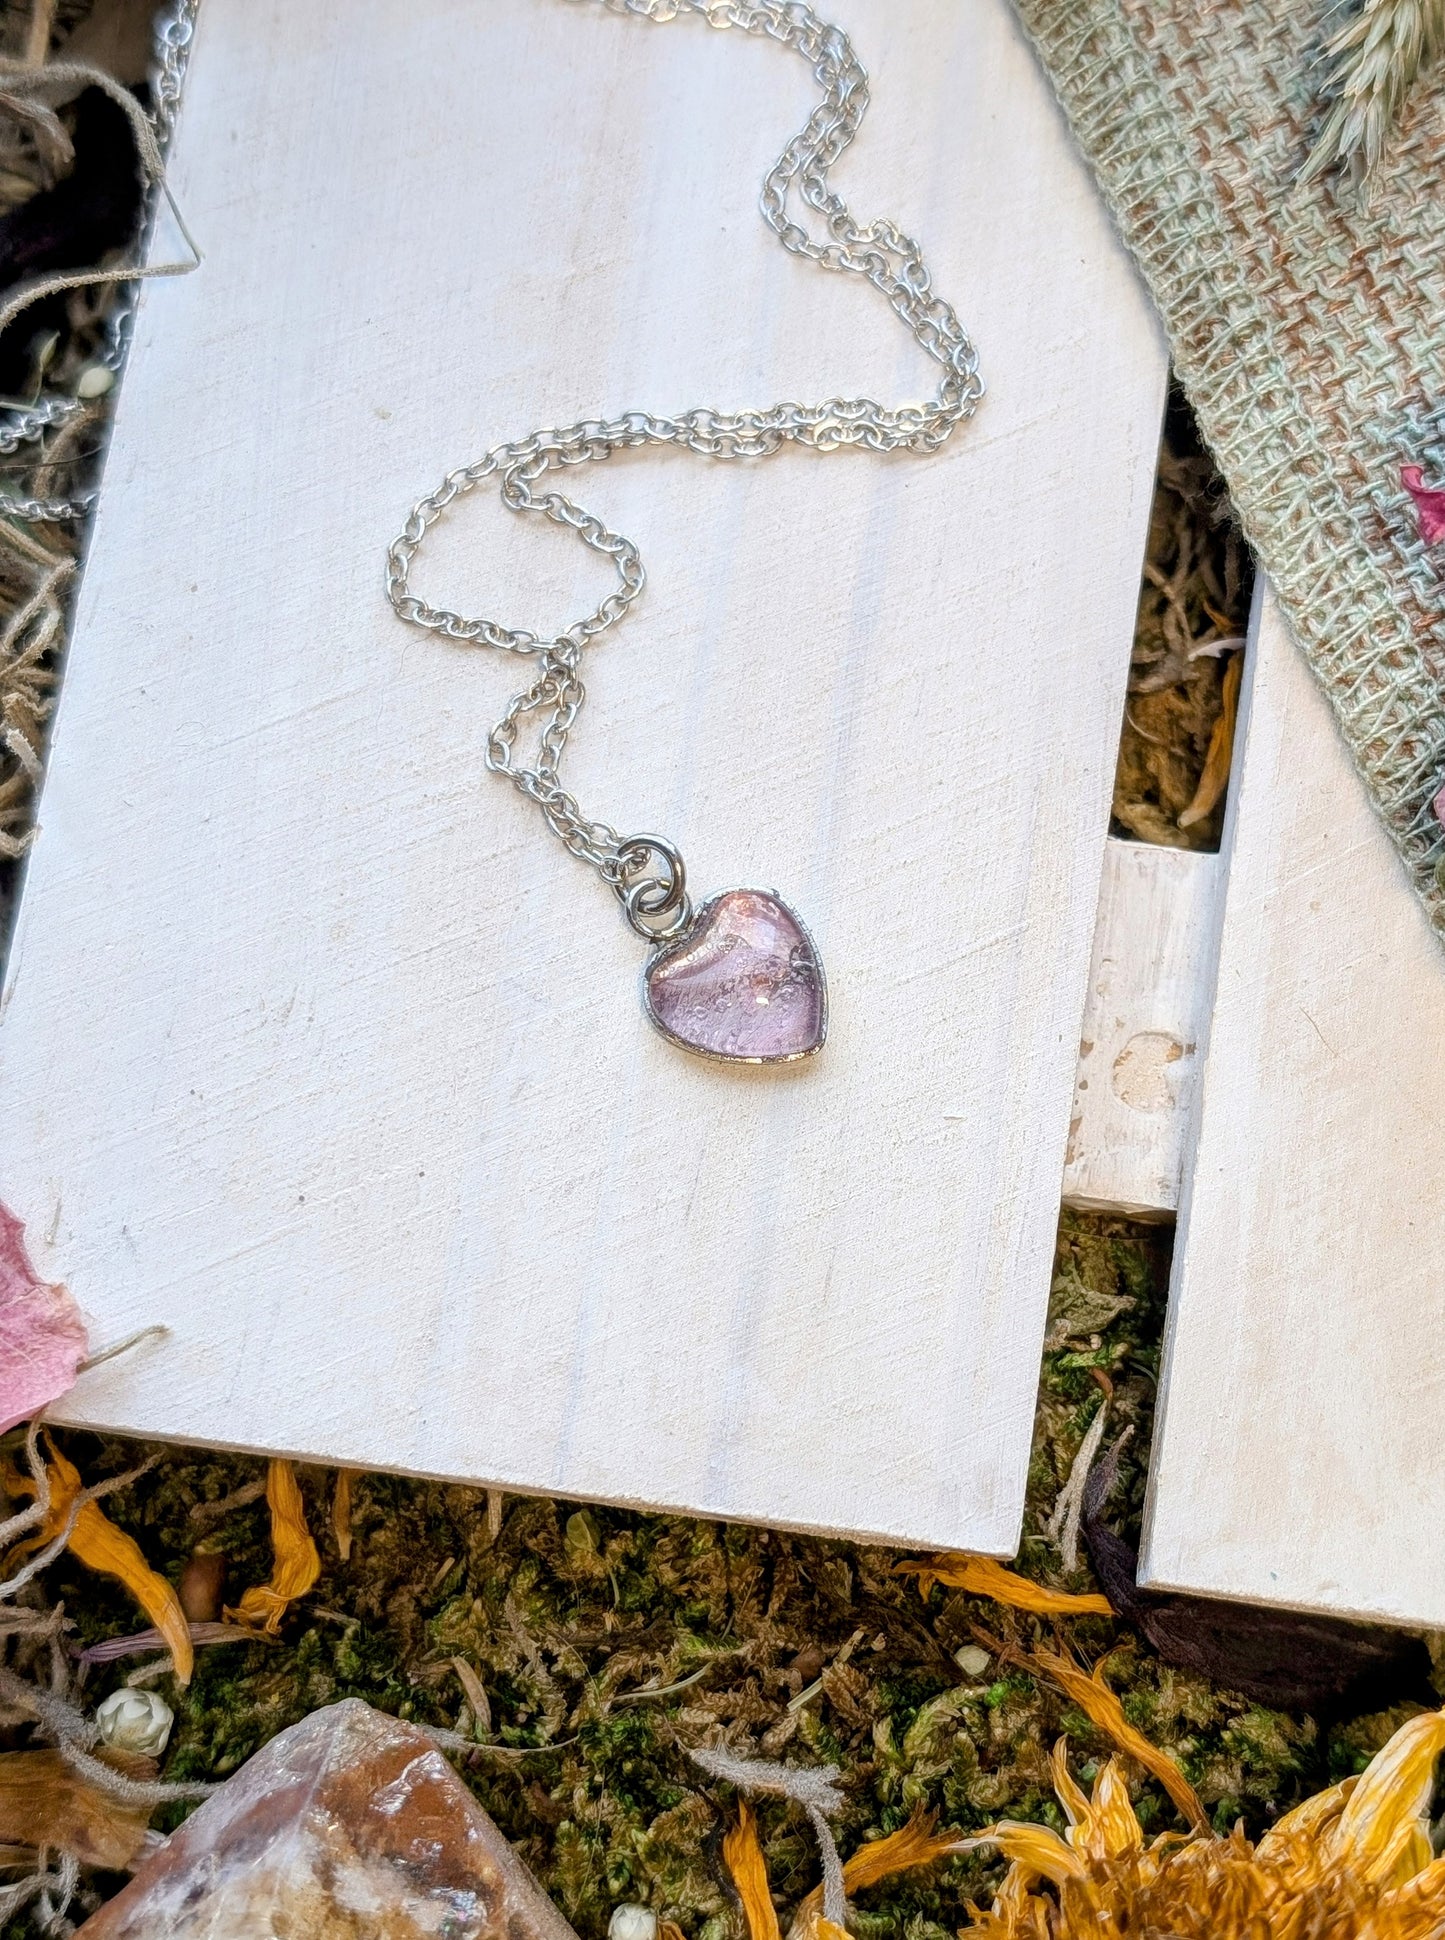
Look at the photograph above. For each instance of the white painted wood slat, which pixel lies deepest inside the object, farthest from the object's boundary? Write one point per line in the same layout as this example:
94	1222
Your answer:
315	1048
1299	1458
1145	1020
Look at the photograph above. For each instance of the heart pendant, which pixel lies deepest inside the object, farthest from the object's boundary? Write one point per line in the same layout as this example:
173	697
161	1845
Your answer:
742	983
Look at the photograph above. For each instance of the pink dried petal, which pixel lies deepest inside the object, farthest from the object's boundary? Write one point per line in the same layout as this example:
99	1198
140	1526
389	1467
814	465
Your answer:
1429	506
1439	807
110	1649
42	1336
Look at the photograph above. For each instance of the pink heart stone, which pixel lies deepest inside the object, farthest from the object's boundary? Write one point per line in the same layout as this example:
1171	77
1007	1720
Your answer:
743	983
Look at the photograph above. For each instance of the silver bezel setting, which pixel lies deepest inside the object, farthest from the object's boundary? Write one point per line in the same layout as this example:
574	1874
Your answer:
673	943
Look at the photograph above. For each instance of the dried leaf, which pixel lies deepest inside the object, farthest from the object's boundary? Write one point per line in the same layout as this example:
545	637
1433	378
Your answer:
207	1513
44	1802
748	1871
1098	1702
341	1513
476	1696
982	1576
1277	1657
296	1564
42	1334
96	1542
1214	776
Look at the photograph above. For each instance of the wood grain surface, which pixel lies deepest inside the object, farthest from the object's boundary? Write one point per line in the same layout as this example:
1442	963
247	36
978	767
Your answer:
1299	1458
1145	1021
317	1050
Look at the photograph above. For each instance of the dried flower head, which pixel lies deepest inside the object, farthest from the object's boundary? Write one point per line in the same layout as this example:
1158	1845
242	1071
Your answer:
137	1721
1378	55
1352	1863
630	1922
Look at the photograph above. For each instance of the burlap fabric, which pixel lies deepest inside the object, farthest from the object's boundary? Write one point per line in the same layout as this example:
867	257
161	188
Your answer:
1307	324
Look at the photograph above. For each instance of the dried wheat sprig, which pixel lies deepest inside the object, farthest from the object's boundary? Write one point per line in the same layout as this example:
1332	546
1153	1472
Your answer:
1378	56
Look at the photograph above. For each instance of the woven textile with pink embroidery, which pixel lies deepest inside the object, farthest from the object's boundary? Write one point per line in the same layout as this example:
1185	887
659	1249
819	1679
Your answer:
1307	323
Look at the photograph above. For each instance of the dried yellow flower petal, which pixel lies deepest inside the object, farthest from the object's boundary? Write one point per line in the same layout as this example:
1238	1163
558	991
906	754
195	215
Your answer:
1383	1833
1299	1830
983	1576
95	1541
743	1857
1109	1830
1037	1852
914	1844
1420	1900
296	1564
1098	1702
1072	1797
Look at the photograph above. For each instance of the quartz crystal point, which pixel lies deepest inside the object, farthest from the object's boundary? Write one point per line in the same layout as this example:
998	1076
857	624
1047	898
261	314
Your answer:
349	1826
744	983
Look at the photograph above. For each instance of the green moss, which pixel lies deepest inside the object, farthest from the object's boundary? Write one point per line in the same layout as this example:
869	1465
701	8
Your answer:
569	1614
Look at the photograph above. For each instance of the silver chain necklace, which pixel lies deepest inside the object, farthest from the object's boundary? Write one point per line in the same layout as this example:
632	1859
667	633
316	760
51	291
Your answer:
737	978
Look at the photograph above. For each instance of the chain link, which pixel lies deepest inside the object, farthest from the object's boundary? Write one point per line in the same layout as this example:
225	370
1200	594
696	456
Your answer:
171	50
173	34
45	511
26	424
890	260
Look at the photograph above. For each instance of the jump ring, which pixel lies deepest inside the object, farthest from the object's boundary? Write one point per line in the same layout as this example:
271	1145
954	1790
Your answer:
649	895
645	921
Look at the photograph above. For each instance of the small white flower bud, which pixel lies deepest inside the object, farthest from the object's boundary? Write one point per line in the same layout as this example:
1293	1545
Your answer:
135	1721
94	381
632	1923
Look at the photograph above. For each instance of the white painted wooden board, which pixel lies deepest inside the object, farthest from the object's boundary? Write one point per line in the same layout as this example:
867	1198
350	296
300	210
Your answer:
1145	1018
318	1050
1299	1458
